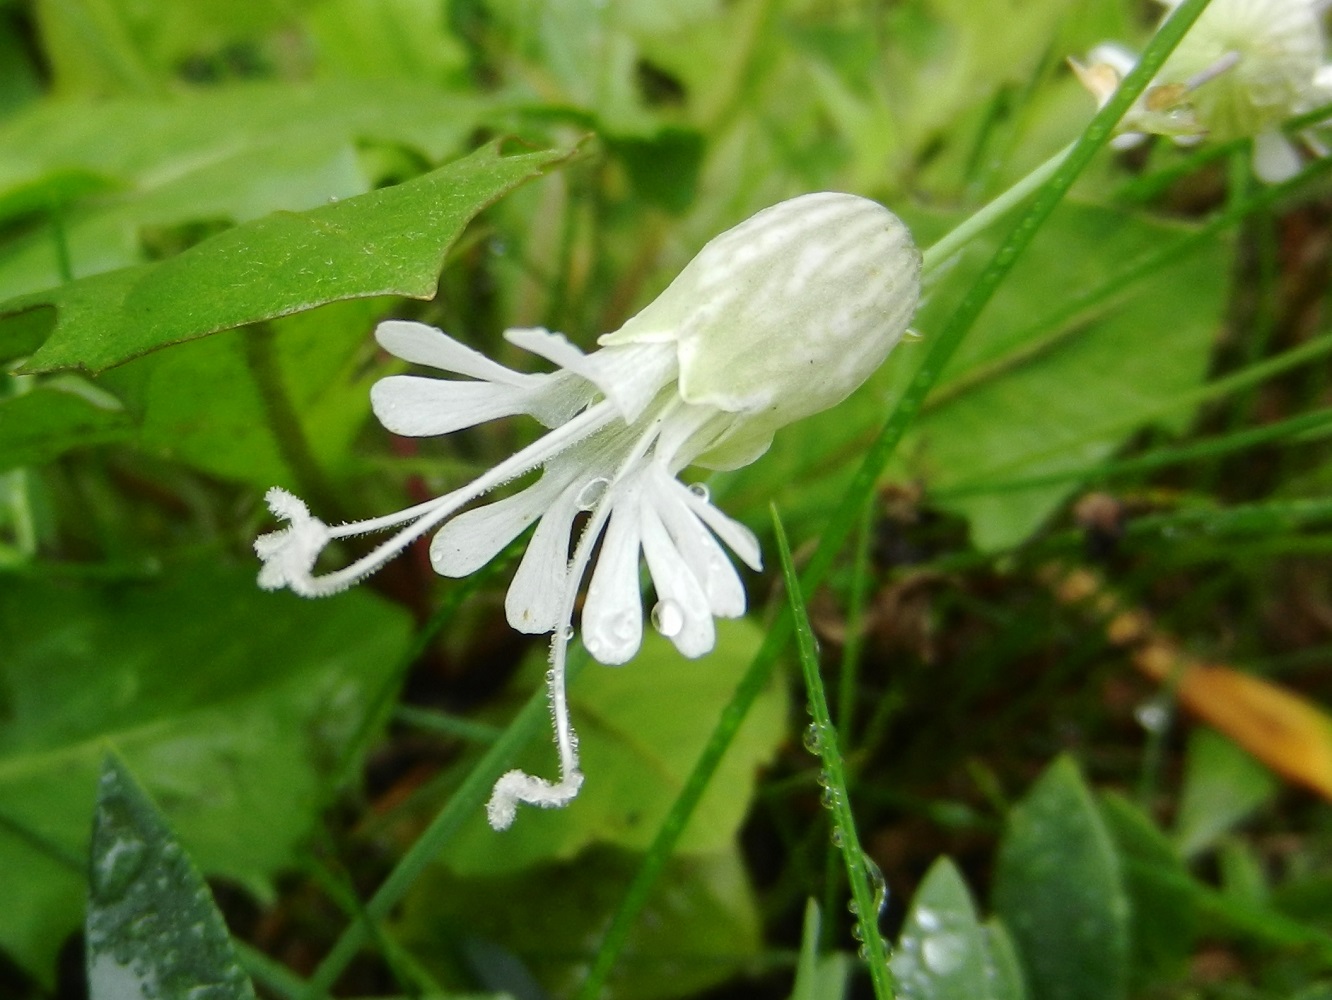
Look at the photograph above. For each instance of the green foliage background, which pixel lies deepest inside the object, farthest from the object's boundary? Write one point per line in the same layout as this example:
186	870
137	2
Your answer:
206	206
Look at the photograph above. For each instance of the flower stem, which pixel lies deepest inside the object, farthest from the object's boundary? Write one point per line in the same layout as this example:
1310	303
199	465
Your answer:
283	419
832	776
990	213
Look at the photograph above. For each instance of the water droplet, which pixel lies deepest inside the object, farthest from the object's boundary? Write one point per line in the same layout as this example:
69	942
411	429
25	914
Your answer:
836	837
813	738
862	953
114	872
700	490
942	953
1153	715
857	931
853	907
927	920
591	493
829	797
878	884
913	335
667	618
567	633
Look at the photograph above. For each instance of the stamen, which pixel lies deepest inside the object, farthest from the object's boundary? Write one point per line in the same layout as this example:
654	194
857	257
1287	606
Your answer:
1223	65
425	516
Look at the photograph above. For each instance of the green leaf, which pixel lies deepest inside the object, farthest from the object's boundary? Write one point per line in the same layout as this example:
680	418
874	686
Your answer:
153	929
1005	968
1059	891
40	425
942	953
640	728
235	707
319	358
700	928
819	977
1165	912
1223	784
387	242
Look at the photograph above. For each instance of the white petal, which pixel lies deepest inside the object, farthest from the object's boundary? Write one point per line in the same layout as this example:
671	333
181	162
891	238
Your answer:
613	612
420	407
536	597
677	590
737	537
704	555
425	345
1274	158
471	540
629	376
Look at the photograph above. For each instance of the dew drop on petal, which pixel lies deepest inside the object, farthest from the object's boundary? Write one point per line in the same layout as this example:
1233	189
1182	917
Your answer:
567	633
591	493
701	491
667	618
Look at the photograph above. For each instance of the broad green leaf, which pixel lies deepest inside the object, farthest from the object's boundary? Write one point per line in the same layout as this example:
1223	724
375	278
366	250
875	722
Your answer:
146	141
152	927
700	927
159	218
1165	912
941	953
40	425
1223	784
1004	966
233	706
1059	890
640	728
387	242
819	977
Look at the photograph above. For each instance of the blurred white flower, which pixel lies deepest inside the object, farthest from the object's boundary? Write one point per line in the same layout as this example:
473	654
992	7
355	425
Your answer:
1242	70
776	319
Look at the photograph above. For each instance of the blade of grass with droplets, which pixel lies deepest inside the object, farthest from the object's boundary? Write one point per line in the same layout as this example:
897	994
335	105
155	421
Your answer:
839	527
868	901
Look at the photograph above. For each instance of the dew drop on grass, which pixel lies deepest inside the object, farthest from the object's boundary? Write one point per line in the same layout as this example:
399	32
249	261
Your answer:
813	738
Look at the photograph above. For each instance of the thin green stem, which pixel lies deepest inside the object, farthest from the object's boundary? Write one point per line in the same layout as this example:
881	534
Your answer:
991	213
272	974
868	901
447	725
284	420
848	679
469	799
862	485
60	239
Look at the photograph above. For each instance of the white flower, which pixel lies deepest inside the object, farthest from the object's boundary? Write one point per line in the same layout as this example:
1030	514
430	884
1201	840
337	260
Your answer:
1242	69
778	318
